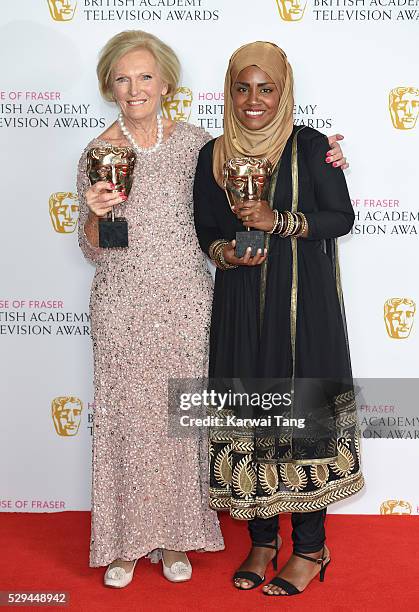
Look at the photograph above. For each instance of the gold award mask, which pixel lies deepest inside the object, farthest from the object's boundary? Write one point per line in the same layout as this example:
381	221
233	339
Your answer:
114	164
62	10
177	106
66	415
247	178
291	10
404	107
64	211
399	315
395	506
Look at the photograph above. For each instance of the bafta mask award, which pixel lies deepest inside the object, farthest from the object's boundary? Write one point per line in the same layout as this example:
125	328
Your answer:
247	178
114	164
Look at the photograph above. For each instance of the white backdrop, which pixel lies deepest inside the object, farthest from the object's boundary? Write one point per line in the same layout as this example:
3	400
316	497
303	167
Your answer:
346	56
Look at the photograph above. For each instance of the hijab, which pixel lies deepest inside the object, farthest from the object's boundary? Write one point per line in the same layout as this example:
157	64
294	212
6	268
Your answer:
270	141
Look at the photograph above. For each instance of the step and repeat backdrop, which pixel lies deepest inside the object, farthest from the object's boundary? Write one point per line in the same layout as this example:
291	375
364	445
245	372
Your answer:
357	72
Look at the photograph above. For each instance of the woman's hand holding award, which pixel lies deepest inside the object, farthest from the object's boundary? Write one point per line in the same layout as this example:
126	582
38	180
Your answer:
247	178
115	165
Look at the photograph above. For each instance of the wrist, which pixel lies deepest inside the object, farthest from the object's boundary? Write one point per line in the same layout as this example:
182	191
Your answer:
216	252
291	224
93	217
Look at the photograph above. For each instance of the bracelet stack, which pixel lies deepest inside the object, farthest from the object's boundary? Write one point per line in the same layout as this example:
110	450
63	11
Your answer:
216	254
288	223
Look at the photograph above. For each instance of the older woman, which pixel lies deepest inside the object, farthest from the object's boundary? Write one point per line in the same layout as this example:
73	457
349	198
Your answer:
278	317
150	308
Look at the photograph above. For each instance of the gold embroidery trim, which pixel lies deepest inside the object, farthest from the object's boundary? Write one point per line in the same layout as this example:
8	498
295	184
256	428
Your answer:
294	285
286	501
337	273
264	268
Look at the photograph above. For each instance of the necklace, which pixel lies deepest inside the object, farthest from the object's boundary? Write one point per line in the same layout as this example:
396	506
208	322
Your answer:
134	144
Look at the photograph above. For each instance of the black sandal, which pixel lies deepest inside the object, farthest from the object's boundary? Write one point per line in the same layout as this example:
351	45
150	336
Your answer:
252	576
289	588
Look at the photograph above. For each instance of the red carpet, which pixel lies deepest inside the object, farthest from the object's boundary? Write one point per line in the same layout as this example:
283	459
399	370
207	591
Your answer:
373	568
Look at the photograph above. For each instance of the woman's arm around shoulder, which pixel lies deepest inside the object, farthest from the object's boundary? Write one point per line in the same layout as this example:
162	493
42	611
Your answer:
335	215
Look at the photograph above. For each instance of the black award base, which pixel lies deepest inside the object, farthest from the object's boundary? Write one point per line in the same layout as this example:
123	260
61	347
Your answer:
113	234
254	239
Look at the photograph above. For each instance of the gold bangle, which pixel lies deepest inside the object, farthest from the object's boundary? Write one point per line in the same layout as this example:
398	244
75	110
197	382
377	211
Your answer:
218	256
289	226
298	224
276	221
280	224
214	245
225	265
285	224
304	225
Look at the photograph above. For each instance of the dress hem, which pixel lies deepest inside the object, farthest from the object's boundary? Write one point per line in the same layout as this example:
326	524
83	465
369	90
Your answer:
186	548
286	501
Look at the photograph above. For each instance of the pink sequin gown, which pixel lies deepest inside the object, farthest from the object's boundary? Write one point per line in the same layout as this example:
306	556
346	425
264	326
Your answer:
150	311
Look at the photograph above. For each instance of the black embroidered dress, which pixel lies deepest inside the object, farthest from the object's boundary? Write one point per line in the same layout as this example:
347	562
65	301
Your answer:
284	320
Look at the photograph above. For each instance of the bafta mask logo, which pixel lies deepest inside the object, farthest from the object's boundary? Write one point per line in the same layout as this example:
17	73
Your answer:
66	415
398	317
291	10
178	106
404	107
64	211
62	10
246	178
395	506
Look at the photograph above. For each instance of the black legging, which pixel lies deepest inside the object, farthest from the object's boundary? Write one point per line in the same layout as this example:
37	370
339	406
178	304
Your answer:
308	533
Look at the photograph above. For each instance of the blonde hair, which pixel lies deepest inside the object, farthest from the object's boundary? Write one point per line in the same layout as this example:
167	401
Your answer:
131	40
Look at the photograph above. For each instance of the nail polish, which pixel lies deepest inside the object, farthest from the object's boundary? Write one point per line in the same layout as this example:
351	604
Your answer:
328	160
335	164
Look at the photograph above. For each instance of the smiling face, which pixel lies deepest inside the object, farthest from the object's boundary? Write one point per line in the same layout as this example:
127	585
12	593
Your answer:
137	85
255	98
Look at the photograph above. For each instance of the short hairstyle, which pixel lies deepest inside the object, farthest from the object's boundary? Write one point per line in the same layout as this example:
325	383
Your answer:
131	40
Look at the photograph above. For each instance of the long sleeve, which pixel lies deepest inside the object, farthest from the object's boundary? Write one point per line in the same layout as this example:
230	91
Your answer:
94	254
205	222
335	216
